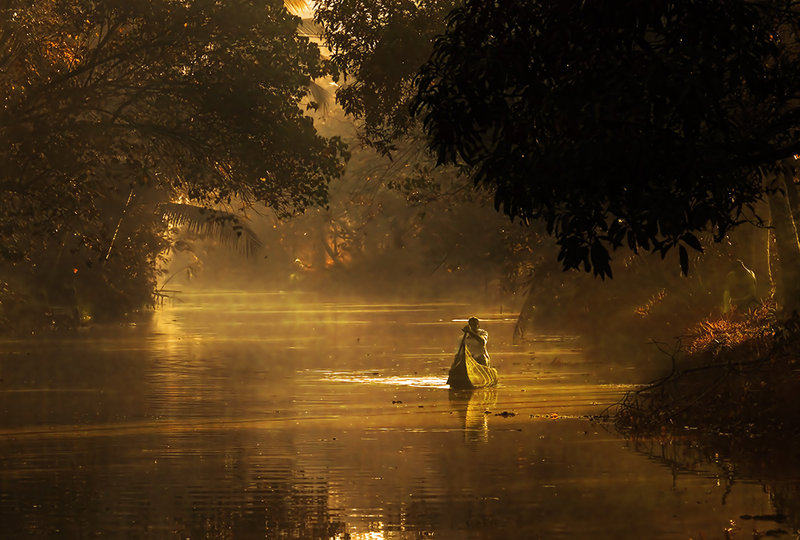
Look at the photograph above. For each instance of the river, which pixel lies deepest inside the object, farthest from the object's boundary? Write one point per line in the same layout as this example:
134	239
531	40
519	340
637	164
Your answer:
275	415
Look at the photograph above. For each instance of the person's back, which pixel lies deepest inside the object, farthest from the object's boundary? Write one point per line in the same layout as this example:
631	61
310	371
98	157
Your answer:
475	341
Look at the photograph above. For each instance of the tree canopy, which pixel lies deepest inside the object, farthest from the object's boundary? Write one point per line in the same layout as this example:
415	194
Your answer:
378	46
619	124
145	101
200	96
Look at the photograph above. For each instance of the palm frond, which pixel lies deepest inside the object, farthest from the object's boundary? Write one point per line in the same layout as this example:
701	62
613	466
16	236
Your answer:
298	7
224	227
322	95
309	28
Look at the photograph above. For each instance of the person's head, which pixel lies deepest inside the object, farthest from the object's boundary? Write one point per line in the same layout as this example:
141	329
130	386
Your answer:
473	323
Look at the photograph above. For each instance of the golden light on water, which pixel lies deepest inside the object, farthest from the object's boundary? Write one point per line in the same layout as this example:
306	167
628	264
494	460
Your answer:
334	416
363	535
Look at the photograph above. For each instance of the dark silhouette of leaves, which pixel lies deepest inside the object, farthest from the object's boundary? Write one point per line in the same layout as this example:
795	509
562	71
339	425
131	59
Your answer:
633	124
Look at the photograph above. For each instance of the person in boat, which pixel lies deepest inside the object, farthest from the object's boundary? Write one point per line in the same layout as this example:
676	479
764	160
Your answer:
475	339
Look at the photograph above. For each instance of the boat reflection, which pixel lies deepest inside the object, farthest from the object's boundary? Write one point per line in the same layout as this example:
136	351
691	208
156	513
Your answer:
474	406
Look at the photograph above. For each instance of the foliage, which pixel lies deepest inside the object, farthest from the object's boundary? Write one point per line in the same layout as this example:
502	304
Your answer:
739	376
630	124
378	46
402	224
648	300
747	333
225	227
144	101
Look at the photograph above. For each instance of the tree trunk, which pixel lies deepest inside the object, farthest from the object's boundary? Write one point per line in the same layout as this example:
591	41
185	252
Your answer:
319	245
752	246
768	253
525	315
762	254
794	196
786	243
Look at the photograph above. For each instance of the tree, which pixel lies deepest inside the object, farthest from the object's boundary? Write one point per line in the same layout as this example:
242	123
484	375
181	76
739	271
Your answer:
109	108
378	47
631	124
786	242
401	224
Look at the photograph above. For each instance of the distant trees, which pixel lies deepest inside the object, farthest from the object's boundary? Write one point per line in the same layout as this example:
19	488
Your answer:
400	227
108	108
434	220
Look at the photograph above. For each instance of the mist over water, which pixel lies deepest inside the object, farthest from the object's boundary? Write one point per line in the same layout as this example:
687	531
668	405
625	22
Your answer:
286	415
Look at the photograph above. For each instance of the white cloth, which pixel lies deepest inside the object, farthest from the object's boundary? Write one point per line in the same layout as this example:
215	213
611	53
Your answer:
476	347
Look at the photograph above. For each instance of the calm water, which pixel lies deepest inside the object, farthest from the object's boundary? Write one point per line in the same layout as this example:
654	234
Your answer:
236	415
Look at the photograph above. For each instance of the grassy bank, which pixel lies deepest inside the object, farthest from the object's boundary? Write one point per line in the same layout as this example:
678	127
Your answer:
738	375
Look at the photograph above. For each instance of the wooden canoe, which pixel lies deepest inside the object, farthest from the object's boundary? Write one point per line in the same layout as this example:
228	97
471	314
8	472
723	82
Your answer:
466	372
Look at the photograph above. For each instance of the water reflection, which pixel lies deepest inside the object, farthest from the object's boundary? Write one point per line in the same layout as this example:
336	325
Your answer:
473	407
785	496
278	416
728	462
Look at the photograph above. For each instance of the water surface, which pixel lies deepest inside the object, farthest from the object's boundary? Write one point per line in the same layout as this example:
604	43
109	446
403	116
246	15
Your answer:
252	415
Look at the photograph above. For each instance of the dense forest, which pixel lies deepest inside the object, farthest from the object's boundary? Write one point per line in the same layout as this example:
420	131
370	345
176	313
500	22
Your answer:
112	110
612	169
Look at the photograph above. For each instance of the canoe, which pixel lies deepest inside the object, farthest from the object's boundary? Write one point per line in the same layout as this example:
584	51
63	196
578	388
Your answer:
466	372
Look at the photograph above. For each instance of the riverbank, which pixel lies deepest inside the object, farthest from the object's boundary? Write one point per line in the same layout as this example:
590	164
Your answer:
737	376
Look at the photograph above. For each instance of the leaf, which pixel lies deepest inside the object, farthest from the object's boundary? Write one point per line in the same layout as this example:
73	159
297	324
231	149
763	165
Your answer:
684	259
692	241
601	260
